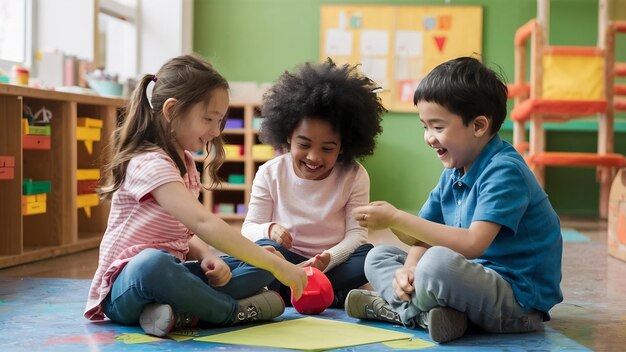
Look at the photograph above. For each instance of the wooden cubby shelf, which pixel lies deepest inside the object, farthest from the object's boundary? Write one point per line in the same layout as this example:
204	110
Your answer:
62	228
224	200
80	129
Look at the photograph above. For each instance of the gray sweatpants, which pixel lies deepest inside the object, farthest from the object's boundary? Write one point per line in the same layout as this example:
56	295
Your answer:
445	278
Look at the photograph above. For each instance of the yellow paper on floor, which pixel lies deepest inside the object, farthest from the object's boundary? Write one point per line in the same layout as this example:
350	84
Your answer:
412	344
307	334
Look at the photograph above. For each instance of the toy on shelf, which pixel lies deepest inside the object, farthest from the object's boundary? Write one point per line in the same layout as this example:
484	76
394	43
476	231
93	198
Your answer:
256	123
34	196
236	179
36	129
7	167
86	181
567	82
36	142
262	152
30	187
88	131
318	294
234	152
234	123
224	208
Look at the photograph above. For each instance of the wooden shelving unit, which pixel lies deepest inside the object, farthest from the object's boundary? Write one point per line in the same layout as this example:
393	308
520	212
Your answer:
63	228
230	194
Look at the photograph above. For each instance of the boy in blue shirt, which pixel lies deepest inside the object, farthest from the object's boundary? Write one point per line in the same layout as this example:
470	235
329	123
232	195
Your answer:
486	246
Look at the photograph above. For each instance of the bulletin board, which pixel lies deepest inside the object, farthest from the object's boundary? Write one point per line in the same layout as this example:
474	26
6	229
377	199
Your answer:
397	46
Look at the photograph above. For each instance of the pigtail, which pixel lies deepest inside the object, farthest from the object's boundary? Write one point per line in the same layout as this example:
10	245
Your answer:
129	138
188	79
215	147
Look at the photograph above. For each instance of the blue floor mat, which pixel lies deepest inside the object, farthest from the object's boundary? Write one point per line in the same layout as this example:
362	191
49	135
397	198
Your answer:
571	235
46	315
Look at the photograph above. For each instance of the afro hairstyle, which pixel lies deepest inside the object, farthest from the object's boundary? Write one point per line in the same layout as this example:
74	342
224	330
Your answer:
340	95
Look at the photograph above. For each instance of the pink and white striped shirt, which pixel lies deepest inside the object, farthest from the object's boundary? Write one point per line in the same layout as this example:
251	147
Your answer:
137	221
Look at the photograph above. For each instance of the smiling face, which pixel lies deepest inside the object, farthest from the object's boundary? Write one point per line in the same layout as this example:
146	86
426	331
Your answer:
456	145
201	123
314	147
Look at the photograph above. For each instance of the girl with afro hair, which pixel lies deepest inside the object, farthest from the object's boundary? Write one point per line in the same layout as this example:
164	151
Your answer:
324	117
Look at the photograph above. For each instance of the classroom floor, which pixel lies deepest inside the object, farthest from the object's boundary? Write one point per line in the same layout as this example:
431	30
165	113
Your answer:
41	305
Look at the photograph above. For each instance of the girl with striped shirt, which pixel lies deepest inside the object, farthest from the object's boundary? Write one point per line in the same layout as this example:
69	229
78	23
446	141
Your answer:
155	265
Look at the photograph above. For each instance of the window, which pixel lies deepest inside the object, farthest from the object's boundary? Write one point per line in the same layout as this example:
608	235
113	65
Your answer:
118	37
15	32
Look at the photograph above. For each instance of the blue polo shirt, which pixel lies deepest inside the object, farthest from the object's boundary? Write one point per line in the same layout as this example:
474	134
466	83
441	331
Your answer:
500	188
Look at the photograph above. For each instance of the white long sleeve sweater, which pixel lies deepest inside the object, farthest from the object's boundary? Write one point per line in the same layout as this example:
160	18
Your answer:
317	213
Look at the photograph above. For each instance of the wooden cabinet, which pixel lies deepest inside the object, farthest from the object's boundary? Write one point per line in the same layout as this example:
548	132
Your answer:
63	227
74	220
244	155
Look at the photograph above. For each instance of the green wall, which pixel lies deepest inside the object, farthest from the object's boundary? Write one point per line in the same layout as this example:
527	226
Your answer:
257	40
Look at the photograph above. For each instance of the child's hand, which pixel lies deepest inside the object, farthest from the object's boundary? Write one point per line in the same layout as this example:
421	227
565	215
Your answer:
292	276
319	261
403	283
376	215
216	271
280	235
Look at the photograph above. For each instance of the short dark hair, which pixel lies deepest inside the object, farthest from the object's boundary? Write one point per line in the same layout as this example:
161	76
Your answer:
340	95
468	88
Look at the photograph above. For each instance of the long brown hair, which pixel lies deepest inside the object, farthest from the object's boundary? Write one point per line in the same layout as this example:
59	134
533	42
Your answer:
190	80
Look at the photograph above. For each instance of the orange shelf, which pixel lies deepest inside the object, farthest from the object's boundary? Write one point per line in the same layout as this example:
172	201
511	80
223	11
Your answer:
577	159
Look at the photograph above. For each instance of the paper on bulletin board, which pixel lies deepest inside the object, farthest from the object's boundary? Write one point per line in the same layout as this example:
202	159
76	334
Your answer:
375	69
411	40
409	44
338	42
376	22
374	43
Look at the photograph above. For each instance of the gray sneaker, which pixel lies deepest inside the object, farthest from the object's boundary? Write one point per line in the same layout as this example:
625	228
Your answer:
364	304
444	324
266	305
160	319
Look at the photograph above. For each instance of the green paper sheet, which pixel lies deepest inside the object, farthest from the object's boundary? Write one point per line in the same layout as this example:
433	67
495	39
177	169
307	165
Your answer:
309	333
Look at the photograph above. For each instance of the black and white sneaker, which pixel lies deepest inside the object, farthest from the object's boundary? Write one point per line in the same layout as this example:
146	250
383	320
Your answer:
266	305
364	304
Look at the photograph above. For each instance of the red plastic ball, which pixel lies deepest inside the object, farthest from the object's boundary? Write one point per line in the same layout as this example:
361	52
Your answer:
318	293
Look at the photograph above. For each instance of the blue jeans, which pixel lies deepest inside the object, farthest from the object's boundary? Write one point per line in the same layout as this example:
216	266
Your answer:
157	276
445	278
344	277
